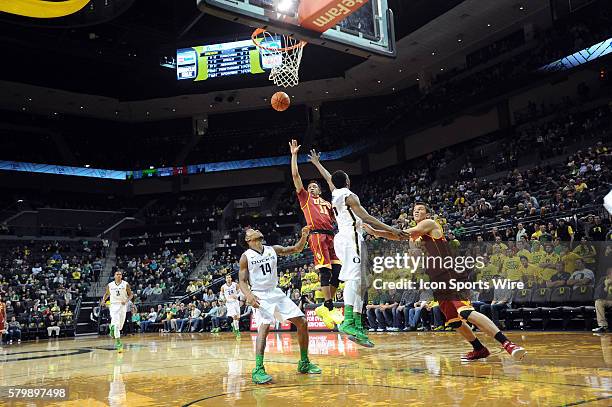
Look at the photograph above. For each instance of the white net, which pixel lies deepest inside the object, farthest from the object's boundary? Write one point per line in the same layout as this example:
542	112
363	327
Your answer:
283	61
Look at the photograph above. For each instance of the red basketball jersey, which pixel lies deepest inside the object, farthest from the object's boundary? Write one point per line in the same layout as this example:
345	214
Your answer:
317	211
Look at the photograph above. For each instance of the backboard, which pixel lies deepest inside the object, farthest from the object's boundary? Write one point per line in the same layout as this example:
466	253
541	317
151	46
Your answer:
367	32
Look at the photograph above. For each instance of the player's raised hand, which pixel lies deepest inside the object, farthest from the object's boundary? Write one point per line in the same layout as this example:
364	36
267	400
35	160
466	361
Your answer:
305	231
314	157
294	147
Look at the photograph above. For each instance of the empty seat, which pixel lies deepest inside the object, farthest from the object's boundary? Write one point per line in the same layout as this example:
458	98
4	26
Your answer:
553	311
540	297
580	307
520	299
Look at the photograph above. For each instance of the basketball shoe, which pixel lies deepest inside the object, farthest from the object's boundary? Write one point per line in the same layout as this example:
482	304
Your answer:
325	315
476	354
337	316
259	375
517	352
361	338
348	327
307	367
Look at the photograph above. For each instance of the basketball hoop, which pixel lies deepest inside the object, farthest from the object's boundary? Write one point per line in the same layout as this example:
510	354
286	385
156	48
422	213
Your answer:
284	61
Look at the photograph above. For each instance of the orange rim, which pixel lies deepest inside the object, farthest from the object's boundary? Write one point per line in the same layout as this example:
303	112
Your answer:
259	31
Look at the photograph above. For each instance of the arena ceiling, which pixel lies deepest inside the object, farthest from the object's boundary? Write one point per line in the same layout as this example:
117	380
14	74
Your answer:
111	70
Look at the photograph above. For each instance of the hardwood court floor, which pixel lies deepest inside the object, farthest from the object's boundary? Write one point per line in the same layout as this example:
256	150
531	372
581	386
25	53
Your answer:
414	369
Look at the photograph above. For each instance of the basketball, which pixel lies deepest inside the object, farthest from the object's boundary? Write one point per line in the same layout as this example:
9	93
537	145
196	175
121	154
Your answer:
280	101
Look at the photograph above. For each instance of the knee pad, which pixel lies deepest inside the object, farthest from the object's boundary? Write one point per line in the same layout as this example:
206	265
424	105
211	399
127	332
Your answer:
325	276
465	313
335	274
455	324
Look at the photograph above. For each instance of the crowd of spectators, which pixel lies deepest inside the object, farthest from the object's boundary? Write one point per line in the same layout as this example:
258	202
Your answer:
41	283
157	275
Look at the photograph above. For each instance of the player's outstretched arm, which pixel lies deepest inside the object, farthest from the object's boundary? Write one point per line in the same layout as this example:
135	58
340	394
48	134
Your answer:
295	174
380	233
243	282
296	248
315	159
105	296
352	201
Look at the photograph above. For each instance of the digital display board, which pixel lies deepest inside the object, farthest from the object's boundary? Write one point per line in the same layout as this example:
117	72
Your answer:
204	62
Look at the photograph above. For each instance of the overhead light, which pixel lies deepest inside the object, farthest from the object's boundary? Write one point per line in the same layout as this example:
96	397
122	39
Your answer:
148	113
460	38
82	107
379	81
393	89
211	105
19	200
173	109
489	25
441	69
355	89
23	109
327	92
29	99
86	165
285	6
522	8
433	53
418	79
400	70
54	113
151	167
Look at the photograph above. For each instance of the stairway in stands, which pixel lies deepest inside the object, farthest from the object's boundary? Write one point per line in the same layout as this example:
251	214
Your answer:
98	288
85	326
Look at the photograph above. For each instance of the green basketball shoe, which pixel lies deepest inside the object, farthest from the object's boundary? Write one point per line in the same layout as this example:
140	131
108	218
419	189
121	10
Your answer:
260	376
307	367
361	338
348	327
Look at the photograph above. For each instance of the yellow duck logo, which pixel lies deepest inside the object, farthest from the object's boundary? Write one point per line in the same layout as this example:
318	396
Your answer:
42	8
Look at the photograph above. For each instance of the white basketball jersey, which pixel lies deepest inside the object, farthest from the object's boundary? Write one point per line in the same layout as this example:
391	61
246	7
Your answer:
348	222
262	269
118	293
230	290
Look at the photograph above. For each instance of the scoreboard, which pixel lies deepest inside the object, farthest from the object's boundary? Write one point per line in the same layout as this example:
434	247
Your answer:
204	62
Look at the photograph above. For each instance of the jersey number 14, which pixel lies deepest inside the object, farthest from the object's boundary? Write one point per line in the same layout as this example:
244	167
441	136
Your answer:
267	269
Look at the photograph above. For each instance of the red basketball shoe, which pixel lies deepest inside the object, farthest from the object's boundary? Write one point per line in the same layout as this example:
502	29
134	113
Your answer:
517	352
476	354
